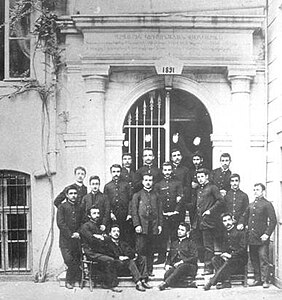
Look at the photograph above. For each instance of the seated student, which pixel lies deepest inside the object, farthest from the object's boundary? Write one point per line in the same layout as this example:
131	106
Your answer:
79	173
181	261
234	255
94	247
124	259
95	197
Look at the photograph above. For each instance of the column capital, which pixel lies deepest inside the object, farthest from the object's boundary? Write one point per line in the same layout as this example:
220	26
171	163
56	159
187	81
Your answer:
240	78
95	83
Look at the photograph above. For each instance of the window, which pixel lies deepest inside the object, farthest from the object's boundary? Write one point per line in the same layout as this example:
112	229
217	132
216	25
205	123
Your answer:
15	55
15	223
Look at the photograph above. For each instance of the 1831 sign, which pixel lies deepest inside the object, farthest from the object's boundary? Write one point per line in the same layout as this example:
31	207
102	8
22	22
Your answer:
169	66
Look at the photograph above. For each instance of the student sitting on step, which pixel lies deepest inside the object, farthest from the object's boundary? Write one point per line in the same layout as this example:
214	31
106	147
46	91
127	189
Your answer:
234	255
124	259
181	261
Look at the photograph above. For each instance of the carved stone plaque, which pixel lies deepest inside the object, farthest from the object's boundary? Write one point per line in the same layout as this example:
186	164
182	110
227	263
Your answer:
185	44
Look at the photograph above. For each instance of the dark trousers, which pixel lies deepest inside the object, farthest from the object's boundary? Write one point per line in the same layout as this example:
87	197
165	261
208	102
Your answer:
106	267
173	276
224	269
138	272
259	255
209	237
145	244
169	233
71	256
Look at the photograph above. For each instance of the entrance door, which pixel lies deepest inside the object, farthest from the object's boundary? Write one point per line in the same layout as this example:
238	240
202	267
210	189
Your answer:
164	120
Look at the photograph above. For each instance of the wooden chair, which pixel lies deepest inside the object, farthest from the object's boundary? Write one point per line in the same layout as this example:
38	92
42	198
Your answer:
241	276
88	271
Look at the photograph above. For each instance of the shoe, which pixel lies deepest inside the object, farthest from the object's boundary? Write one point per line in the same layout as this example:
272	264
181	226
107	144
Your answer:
140	287
69	285
162	286
265	285
207	286
207	272
192	284
224	285
116	289
146	285
256	283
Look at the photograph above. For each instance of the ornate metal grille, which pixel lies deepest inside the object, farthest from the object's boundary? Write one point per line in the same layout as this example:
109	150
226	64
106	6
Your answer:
15	222
147	125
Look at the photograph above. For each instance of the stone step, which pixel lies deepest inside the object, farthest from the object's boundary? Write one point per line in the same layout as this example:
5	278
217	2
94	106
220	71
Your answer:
158	272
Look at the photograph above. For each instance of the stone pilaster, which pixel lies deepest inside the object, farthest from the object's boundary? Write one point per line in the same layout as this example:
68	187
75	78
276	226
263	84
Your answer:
240	117
95	87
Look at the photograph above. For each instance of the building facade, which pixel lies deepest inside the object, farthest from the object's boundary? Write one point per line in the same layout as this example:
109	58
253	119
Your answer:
274	133
134	75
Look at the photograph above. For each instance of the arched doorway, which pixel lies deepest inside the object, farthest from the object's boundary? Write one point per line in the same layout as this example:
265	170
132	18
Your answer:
165	119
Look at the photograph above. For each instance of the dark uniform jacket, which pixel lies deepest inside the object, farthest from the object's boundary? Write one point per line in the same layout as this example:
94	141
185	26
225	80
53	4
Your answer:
147	208
236	203
89	242
69	217
235	243
168	190
185	250
100	200
156	172
121	249
129	177
261	219
181	173
81	192
221	178
208	198
118	194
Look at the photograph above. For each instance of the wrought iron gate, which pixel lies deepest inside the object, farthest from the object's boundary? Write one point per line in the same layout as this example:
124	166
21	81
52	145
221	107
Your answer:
15	222
147	125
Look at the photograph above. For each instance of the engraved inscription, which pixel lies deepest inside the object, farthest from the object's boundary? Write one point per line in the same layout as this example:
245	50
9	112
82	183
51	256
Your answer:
137	45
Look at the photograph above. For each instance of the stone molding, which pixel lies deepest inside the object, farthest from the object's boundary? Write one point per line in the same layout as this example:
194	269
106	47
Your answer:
185	21
114	140
75	140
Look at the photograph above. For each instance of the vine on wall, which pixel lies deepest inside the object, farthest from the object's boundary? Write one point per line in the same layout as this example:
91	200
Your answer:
47	40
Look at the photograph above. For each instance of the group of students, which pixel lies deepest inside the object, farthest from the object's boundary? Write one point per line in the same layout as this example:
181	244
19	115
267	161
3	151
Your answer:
143	212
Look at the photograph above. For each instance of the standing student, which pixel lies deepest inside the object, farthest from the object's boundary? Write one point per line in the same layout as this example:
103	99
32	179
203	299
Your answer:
197	163
95	197
118	193
147	220
79	173
235	200
181	173
221	176
69	218
170	194
209	203
261	220
148	168
127	171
